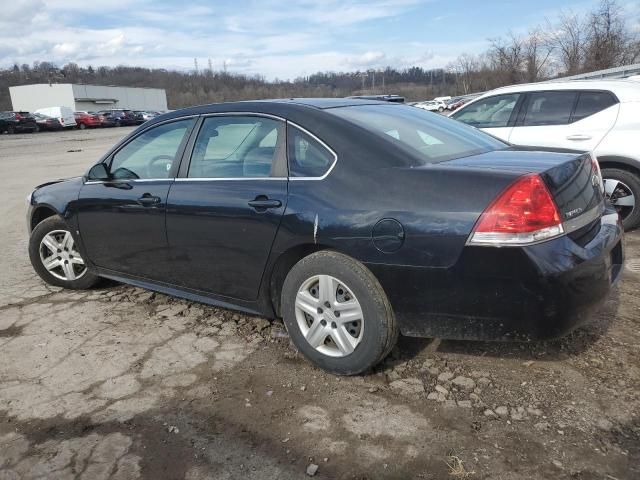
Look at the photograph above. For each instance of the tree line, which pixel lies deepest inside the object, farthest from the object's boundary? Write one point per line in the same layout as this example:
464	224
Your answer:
571	44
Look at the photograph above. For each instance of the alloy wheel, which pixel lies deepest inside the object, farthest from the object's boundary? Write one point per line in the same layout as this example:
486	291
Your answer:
60	257
620	196
329	316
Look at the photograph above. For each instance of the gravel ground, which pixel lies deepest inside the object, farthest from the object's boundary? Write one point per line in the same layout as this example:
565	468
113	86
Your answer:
123	383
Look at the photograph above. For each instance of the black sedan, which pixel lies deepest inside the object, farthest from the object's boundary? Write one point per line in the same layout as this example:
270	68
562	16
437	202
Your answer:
45	123
16	122
353	220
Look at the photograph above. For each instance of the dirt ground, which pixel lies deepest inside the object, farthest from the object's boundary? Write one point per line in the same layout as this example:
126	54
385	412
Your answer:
122	383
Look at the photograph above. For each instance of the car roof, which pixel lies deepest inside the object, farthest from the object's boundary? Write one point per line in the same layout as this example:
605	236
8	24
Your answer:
324	103
625	90
290	108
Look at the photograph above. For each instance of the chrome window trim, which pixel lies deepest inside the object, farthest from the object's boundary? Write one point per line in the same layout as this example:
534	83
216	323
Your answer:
327	147
219	179
240	114
222	179
128	180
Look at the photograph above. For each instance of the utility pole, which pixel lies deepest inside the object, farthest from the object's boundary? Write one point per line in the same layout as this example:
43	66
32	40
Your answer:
363	75
195	64
210	65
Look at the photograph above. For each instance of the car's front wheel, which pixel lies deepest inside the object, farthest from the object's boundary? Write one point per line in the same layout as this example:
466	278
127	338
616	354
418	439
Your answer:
55	256
622	189
337	313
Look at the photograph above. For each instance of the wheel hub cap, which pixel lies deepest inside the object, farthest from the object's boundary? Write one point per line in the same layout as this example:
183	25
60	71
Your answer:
620	196
329	316
59	256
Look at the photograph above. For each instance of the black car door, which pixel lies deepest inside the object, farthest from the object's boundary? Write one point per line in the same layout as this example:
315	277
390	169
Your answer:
225	208
121	214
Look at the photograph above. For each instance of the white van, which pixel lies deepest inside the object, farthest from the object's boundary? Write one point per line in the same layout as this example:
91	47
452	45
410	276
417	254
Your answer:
63	114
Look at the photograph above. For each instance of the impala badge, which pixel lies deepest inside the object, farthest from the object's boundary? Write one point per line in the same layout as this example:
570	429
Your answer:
573	213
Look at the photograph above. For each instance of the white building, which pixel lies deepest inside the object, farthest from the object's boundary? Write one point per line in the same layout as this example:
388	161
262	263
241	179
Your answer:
82	97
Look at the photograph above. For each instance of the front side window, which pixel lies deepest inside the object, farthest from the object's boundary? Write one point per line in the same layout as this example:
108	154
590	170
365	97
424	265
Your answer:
152	154
491	112
590	103
307	156
427	137
236	147
549	108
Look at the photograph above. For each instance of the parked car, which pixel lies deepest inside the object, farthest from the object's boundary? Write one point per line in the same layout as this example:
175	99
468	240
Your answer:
145	116
432	105
105	119
46	123
455	103
121	118
15	122
63	114
87	120
601	116
380	218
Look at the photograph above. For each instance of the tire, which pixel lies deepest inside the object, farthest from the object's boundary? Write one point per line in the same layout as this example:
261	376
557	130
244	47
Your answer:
11	129
374	334
37	129
628	183
440	109
82	126
83	280
118	123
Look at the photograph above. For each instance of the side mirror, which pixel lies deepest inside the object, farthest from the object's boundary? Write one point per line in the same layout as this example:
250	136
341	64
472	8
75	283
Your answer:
98	172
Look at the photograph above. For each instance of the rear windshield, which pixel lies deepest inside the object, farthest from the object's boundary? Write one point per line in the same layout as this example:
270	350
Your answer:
433	137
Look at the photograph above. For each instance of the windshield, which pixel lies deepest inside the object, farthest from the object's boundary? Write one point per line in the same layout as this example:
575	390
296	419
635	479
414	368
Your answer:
433	137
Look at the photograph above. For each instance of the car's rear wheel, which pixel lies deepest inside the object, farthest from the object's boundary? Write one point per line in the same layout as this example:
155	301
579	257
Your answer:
337	313
11	129
623	191
440	109
55	257
82	126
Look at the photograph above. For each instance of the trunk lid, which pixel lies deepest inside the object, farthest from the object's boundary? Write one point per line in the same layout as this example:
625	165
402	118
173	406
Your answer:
572	178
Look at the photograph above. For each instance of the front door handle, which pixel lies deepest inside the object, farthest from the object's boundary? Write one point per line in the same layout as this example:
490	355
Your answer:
579	136
262	202
148	199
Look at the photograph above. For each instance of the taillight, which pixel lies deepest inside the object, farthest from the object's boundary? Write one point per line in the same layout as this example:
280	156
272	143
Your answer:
524	213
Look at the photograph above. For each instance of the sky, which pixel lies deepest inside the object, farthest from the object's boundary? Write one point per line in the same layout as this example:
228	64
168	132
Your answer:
281	39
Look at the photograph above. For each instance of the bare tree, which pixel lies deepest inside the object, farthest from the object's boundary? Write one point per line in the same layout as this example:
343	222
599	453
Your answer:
537	52
507	58
568	39
609	42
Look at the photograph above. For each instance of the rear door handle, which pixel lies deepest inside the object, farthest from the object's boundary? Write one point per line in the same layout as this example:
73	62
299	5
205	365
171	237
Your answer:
262	202
148	199
579	136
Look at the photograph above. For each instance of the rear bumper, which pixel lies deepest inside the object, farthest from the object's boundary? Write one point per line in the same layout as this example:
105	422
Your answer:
536	292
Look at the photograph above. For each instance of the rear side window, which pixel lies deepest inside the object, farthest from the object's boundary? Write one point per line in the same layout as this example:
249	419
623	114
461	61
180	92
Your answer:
592	102
491	112
549	108
237	147
307	156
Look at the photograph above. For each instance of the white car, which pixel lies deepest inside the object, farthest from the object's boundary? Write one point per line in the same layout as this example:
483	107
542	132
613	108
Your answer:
432	105
600	116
